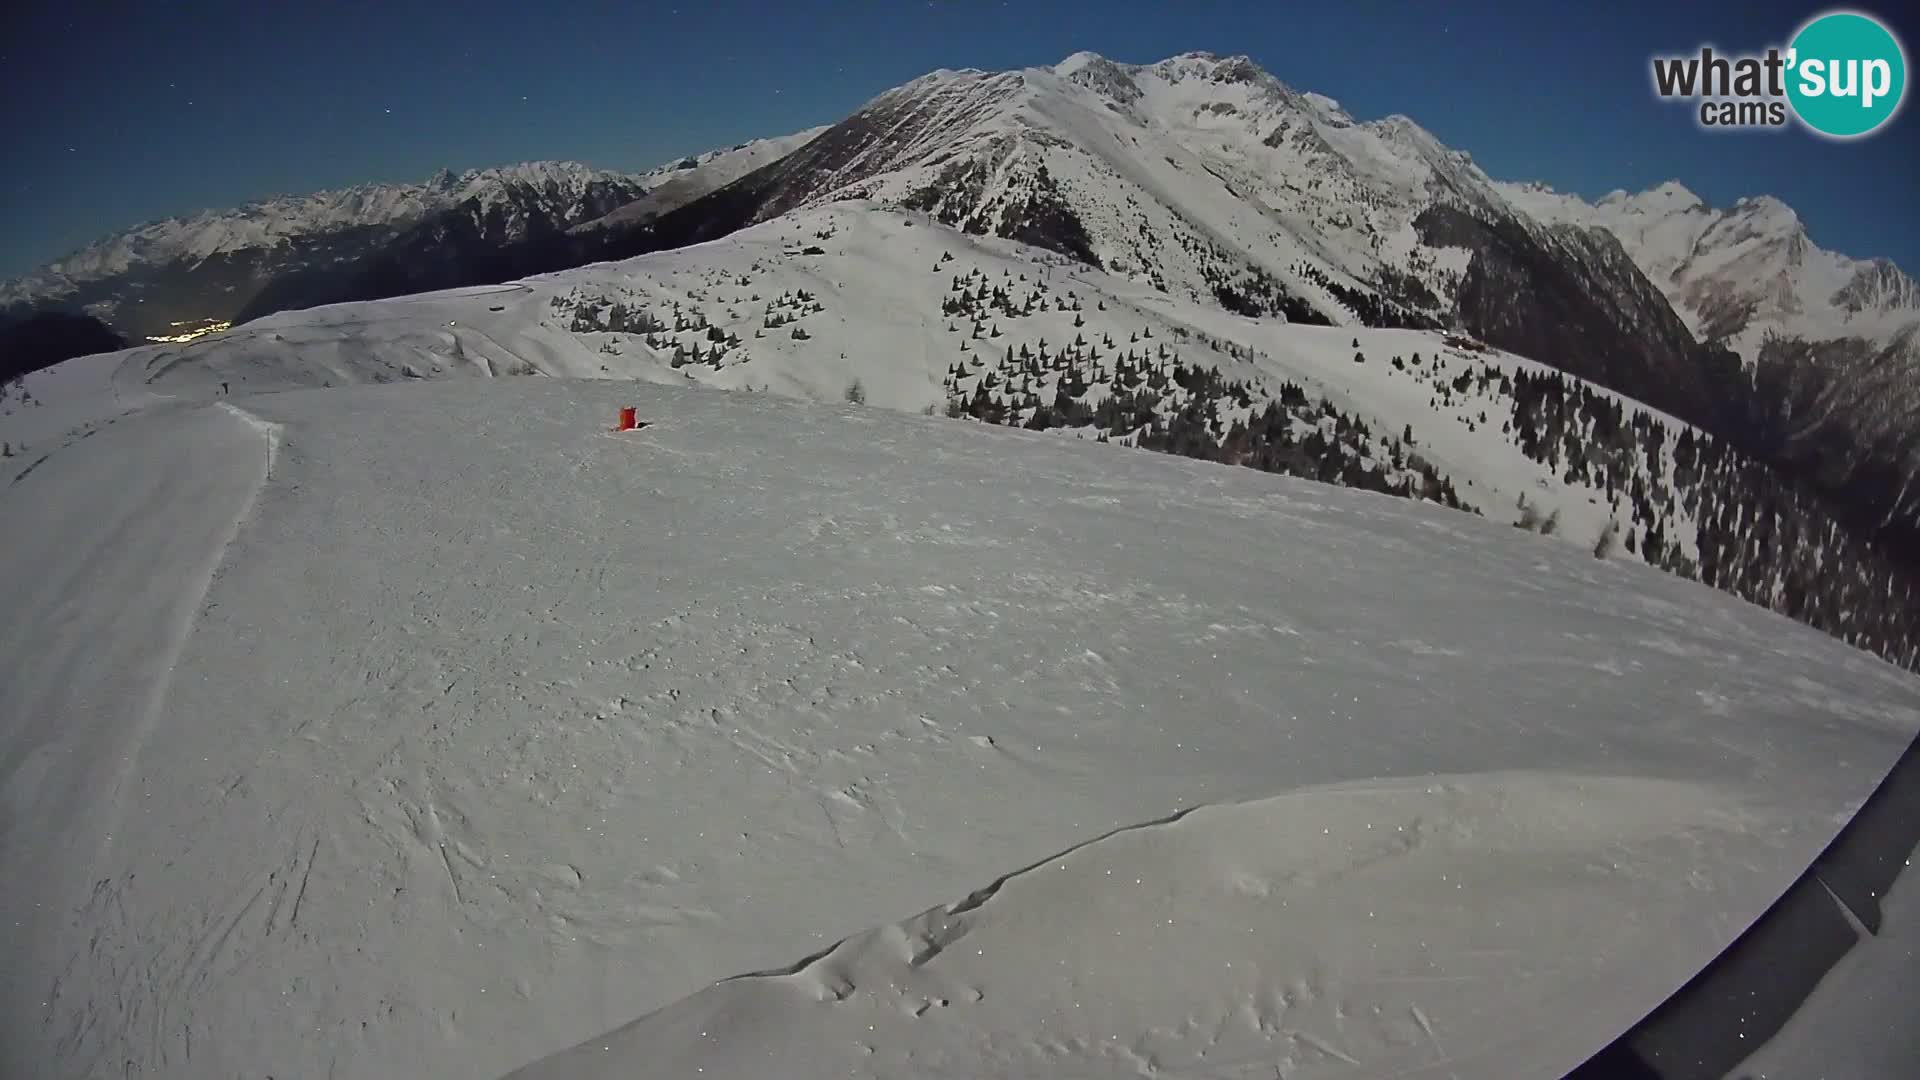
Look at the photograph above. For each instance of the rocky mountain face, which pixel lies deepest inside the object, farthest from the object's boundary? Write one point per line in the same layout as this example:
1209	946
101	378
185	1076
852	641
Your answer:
1742	273
1828	345
1206	177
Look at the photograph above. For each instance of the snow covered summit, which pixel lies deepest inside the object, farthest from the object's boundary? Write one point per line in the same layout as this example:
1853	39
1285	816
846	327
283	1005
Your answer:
1745	271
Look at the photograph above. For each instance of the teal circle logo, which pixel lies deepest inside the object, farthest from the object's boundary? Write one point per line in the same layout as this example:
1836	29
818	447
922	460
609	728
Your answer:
1846	74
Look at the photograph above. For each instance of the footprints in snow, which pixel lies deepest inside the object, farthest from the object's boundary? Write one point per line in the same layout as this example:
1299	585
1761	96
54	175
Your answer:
443	860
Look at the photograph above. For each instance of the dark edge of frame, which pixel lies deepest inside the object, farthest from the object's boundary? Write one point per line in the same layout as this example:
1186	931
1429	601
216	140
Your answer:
1747	993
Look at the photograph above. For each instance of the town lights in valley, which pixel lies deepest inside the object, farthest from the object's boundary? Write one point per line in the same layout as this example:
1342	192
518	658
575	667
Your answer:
201	331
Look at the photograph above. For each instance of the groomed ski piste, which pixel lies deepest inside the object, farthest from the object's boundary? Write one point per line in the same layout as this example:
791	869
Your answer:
436	730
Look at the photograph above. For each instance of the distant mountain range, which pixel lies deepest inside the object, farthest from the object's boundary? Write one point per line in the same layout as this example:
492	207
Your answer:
1201	177
169	277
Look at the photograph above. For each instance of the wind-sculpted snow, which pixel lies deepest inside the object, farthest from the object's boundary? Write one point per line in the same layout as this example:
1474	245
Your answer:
476	730
1327	932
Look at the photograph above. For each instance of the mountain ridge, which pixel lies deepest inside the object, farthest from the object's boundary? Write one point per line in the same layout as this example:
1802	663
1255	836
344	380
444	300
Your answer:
889	306
1208	178
200	234
1829	345
1696	251
1877	282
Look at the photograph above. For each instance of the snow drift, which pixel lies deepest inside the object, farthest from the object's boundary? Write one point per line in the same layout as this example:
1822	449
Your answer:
1380	930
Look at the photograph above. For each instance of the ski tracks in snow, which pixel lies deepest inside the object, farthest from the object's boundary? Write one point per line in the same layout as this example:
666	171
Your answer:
98	969
181	628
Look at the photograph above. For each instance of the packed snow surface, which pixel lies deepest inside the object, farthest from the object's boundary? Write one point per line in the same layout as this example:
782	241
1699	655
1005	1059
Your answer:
433	730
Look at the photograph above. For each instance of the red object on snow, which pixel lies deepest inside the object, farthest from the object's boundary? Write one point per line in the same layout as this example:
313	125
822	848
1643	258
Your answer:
627	421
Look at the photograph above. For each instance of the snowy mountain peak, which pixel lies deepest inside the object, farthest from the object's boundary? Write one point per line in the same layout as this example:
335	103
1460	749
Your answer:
1226	67
1666	198
1840	336
563	175
1101	75
1332	107
1239	68
1672	193
942	76
1765	211
1199	175
1078	62
1215	69
1398	128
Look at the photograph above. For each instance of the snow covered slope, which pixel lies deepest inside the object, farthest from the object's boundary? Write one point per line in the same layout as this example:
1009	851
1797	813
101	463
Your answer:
1210	180
1214	183
822	299
733	161
679	183
1337	932
924	317
427	730
1196	172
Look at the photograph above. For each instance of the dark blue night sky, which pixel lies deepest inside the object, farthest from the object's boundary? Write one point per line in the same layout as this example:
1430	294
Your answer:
122	112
